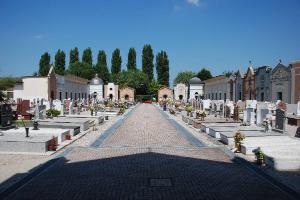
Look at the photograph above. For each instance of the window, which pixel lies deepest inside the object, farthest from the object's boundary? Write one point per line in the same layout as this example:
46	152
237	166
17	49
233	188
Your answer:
110	89
216	96
60	96
71	95
66	95
262	96
75	95
225	96
220	96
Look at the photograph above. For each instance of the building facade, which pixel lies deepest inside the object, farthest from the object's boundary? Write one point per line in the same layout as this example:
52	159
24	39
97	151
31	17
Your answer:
164	93
111	91
196	88
281	83
217	88
127	94
263	83
96	87
249	87
239	86
181	92
295	71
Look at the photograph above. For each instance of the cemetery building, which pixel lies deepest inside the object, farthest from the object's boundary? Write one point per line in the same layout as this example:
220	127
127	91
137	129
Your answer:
127	94
96	87
231	87
111	91
196	88
164	93
249	87
295	71
238	86
216	88
71	87
32	87
281	83
51	87
181	92
263	83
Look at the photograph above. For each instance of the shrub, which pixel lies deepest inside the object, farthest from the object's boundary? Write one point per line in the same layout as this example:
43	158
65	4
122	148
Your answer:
52	112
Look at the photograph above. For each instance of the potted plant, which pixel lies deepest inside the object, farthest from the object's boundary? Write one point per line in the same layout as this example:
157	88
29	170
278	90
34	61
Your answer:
260	157
238	138
189	110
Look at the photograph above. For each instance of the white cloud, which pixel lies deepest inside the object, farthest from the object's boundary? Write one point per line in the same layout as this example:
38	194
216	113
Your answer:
38	37
194	2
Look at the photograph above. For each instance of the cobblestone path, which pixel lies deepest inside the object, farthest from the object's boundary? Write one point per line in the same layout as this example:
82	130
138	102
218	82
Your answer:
148	158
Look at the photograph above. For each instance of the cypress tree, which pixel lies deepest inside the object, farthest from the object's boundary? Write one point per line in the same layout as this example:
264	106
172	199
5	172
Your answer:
44	65
60	61
74	55
101	67
147	61
131	62
116	62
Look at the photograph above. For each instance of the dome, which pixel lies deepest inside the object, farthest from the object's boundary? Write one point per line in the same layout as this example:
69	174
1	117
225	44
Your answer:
195	80
96	81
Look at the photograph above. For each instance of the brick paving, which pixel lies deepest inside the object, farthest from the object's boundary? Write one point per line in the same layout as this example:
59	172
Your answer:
148	158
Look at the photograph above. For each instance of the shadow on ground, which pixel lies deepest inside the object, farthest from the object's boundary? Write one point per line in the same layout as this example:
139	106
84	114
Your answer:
148	176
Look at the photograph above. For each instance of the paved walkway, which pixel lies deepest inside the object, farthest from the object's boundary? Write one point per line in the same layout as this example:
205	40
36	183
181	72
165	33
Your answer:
148	158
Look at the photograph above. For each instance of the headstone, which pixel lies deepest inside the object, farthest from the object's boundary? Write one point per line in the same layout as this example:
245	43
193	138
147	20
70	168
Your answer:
252	118
71	111
62	109
245	116
236	116
57	104
280	118
6	115
298	133
298	109
261	112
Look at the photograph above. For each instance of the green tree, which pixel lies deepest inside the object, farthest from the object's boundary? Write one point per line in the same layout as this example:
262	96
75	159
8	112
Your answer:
154	87
116	62
204	74
131	62
147	61
83	70
101	67
74	55
60	62
87	57
44	65
5	83
135	79
184	77
162	68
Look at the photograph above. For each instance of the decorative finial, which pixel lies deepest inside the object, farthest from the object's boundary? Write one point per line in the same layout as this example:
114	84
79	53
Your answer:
280	60
250	62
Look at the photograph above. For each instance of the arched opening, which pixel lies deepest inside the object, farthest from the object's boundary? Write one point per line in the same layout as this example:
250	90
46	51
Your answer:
180	97
196	95
111	96
126	97
165	96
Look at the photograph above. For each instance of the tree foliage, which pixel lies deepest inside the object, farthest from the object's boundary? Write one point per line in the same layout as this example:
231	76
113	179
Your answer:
131	61
204	74
162	68
116	62
74	55
101	67
153	88
147	61
87	57
83	70
60	62
7	82
184	77
135	79
44	65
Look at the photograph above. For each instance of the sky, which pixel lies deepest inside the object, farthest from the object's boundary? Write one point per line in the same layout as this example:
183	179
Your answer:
220	35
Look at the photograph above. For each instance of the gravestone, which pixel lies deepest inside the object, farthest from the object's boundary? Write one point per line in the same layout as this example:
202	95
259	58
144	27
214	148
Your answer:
23	108
252	118
236	113
57	104
6	115
245	116
71	108
227	112
298	133
261	112
298	109
280	118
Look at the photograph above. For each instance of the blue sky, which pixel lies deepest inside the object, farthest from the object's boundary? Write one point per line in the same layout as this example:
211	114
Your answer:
217	34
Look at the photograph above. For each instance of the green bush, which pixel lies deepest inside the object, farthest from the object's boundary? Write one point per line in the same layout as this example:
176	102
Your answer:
52	112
